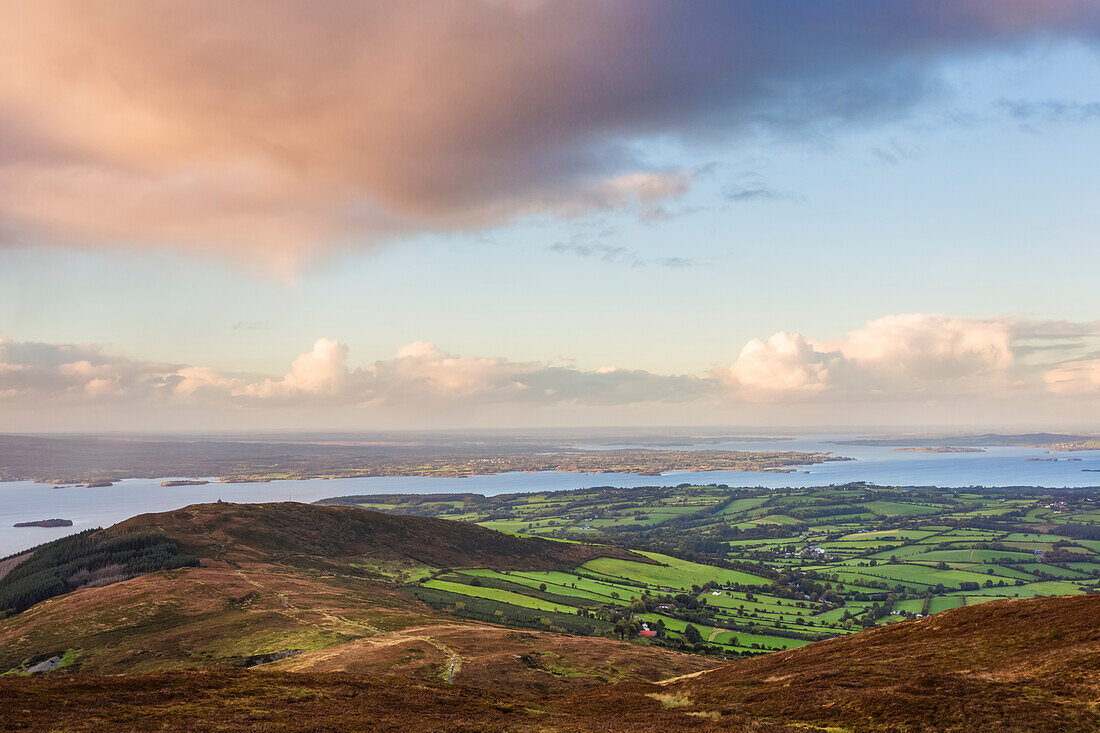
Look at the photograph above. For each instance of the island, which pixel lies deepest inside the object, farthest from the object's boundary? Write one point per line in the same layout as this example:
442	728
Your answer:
939	449
46	523
184	483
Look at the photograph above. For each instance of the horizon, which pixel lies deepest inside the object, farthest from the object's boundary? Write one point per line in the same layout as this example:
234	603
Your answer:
702	431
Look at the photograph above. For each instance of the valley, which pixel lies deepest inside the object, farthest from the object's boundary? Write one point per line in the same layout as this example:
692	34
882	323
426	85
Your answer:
763	570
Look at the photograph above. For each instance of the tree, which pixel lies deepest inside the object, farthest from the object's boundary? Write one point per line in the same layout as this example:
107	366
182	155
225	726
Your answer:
692	635
542	587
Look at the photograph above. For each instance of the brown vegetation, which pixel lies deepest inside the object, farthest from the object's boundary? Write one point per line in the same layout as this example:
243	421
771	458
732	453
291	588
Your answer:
1015	666
305	533
340	649
310	580
1006	665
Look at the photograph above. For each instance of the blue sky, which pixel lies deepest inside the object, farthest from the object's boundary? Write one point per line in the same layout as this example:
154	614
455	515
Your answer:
975	199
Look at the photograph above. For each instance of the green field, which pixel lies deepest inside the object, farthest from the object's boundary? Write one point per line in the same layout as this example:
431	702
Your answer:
670	573
493	594
777	568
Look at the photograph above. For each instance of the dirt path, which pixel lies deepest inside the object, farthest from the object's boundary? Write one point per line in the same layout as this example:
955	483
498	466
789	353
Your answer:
689	676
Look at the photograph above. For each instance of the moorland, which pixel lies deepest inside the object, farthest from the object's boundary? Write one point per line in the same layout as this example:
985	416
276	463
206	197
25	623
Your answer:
298	617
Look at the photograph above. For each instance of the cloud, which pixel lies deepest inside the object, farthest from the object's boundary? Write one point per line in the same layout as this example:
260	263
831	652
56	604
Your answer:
1031	113
620	255
909	356
752	186
786	362
759	192
322	371
39	373
892	361
602	252
271	131
1081	377
894	153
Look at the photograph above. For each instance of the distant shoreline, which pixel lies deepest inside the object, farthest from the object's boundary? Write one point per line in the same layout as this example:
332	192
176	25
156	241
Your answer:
645	462
938	449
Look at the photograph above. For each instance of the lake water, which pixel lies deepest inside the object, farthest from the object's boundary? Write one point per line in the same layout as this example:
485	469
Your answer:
22	501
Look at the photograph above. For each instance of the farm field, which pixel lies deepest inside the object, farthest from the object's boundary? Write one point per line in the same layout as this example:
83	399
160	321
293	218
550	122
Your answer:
758	570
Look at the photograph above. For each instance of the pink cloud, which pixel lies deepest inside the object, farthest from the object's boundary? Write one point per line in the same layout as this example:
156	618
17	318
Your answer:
1079	377
272	130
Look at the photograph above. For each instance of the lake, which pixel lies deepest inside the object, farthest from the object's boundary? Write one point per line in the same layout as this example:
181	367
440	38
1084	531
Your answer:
22	501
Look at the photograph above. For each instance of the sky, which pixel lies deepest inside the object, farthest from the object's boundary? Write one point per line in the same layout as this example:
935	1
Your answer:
495	213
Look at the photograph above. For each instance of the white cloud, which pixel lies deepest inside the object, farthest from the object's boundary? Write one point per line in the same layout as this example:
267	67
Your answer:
1080	377
422	370
896	357
322	371
786	362
911	359
930	348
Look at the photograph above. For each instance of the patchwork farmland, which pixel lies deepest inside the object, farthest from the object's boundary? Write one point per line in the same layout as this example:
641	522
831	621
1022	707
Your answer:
744	571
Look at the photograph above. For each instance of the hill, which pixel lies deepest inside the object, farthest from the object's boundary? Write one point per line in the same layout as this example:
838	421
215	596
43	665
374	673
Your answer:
312	533
1028	665
310	588
1010	665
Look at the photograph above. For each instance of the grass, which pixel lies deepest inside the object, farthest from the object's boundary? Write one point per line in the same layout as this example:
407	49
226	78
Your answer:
894	508
671	573
973	555
503	596
562	589
1030	590
920	574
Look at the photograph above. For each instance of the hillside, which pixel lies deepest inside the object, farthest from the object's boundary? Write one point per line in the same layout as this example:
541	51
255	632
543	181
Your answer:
806	563
316	588
1010	665
292	531
1028	665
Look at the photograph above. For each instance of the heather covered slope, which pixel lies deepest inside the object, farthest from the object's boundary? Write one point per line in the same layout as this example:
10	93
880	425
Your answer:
1009	665
316	588
311	597
287	530
1031	665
